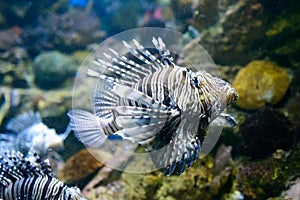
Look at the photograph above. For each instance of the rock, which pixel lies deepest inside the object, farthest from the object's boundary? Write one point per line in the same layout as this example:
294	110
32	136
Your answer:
236	32
10	38
260	83
294	191
198	182
293	106
51	69
53	104
182	9
281	37
79	167
15	74
66	32
265	131
261	179
221	22
268	177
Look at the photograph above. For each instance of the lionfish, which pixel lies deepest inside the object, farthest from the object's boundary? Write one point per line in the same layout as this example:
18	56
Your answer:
28	177
145	97
26	132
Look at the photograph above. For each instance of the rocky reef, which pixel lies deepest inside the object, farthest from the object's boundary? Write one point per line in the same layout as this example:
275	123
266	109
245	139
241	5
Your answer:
222	22
266	131
260	83
51	69
66	32
255	45
237	32
267	178
207	179
79	167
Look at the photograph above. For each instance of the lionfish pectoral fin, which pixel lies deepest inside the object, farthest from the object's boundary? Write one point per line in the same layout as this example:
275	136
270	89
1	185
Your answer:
225	119
141	124
141	134
131	116
87	128
182	150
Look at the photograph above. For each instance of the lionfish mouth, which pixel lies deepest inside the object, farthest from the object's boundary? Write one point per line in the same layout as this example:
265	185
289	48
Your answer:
235	96
232	96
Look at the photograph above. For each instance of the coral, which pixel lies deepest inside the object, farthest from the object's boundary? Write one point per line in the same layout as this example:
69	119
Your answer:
23	13
51	69
79	167
260	83
265	131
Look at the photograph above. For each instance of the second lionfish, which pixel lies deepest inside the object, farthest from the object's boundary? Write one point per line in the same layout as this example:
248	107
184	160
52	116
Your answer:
28	177
146	98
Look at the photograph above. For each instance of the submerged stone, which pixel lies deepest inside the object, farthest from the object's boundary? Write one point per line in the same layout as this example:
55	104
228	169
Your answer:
260	83
265	131
51	69
79	167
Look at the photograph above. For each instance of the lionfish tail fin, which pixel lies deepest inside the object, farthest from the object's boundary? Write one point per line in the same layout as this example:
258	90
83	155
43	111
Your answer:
87	128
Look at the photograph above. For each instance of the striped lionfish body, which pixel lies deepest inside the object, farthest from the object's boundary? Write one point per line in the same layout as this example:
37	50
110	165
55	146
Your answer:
28	178
146	98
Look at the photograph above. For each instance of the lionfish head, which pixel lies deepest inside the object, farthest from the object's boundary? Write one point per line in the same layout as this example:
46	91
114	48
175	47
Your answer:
213	89
231	94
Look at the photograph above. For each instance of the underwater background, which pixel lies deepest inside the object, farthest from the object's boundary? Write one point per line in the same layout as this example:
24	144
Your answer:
254	43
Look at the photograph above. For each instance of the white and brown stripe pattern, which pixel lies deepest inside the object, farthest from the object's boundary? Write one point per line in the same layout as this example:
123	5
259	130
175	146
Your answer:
24	179
146	98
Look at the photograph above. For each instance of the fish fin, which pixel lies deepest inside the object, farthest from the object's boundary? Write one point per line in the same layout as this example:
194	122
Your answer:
163	51
129	116
141	134
87	128
7	140
108	93
133	94
23	121
103	99
182	150
225	119
142	125
129	71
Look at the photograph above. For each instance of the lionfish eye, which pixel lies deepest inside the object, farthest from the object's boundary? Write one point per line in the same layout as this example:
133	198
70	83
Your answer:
196	82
